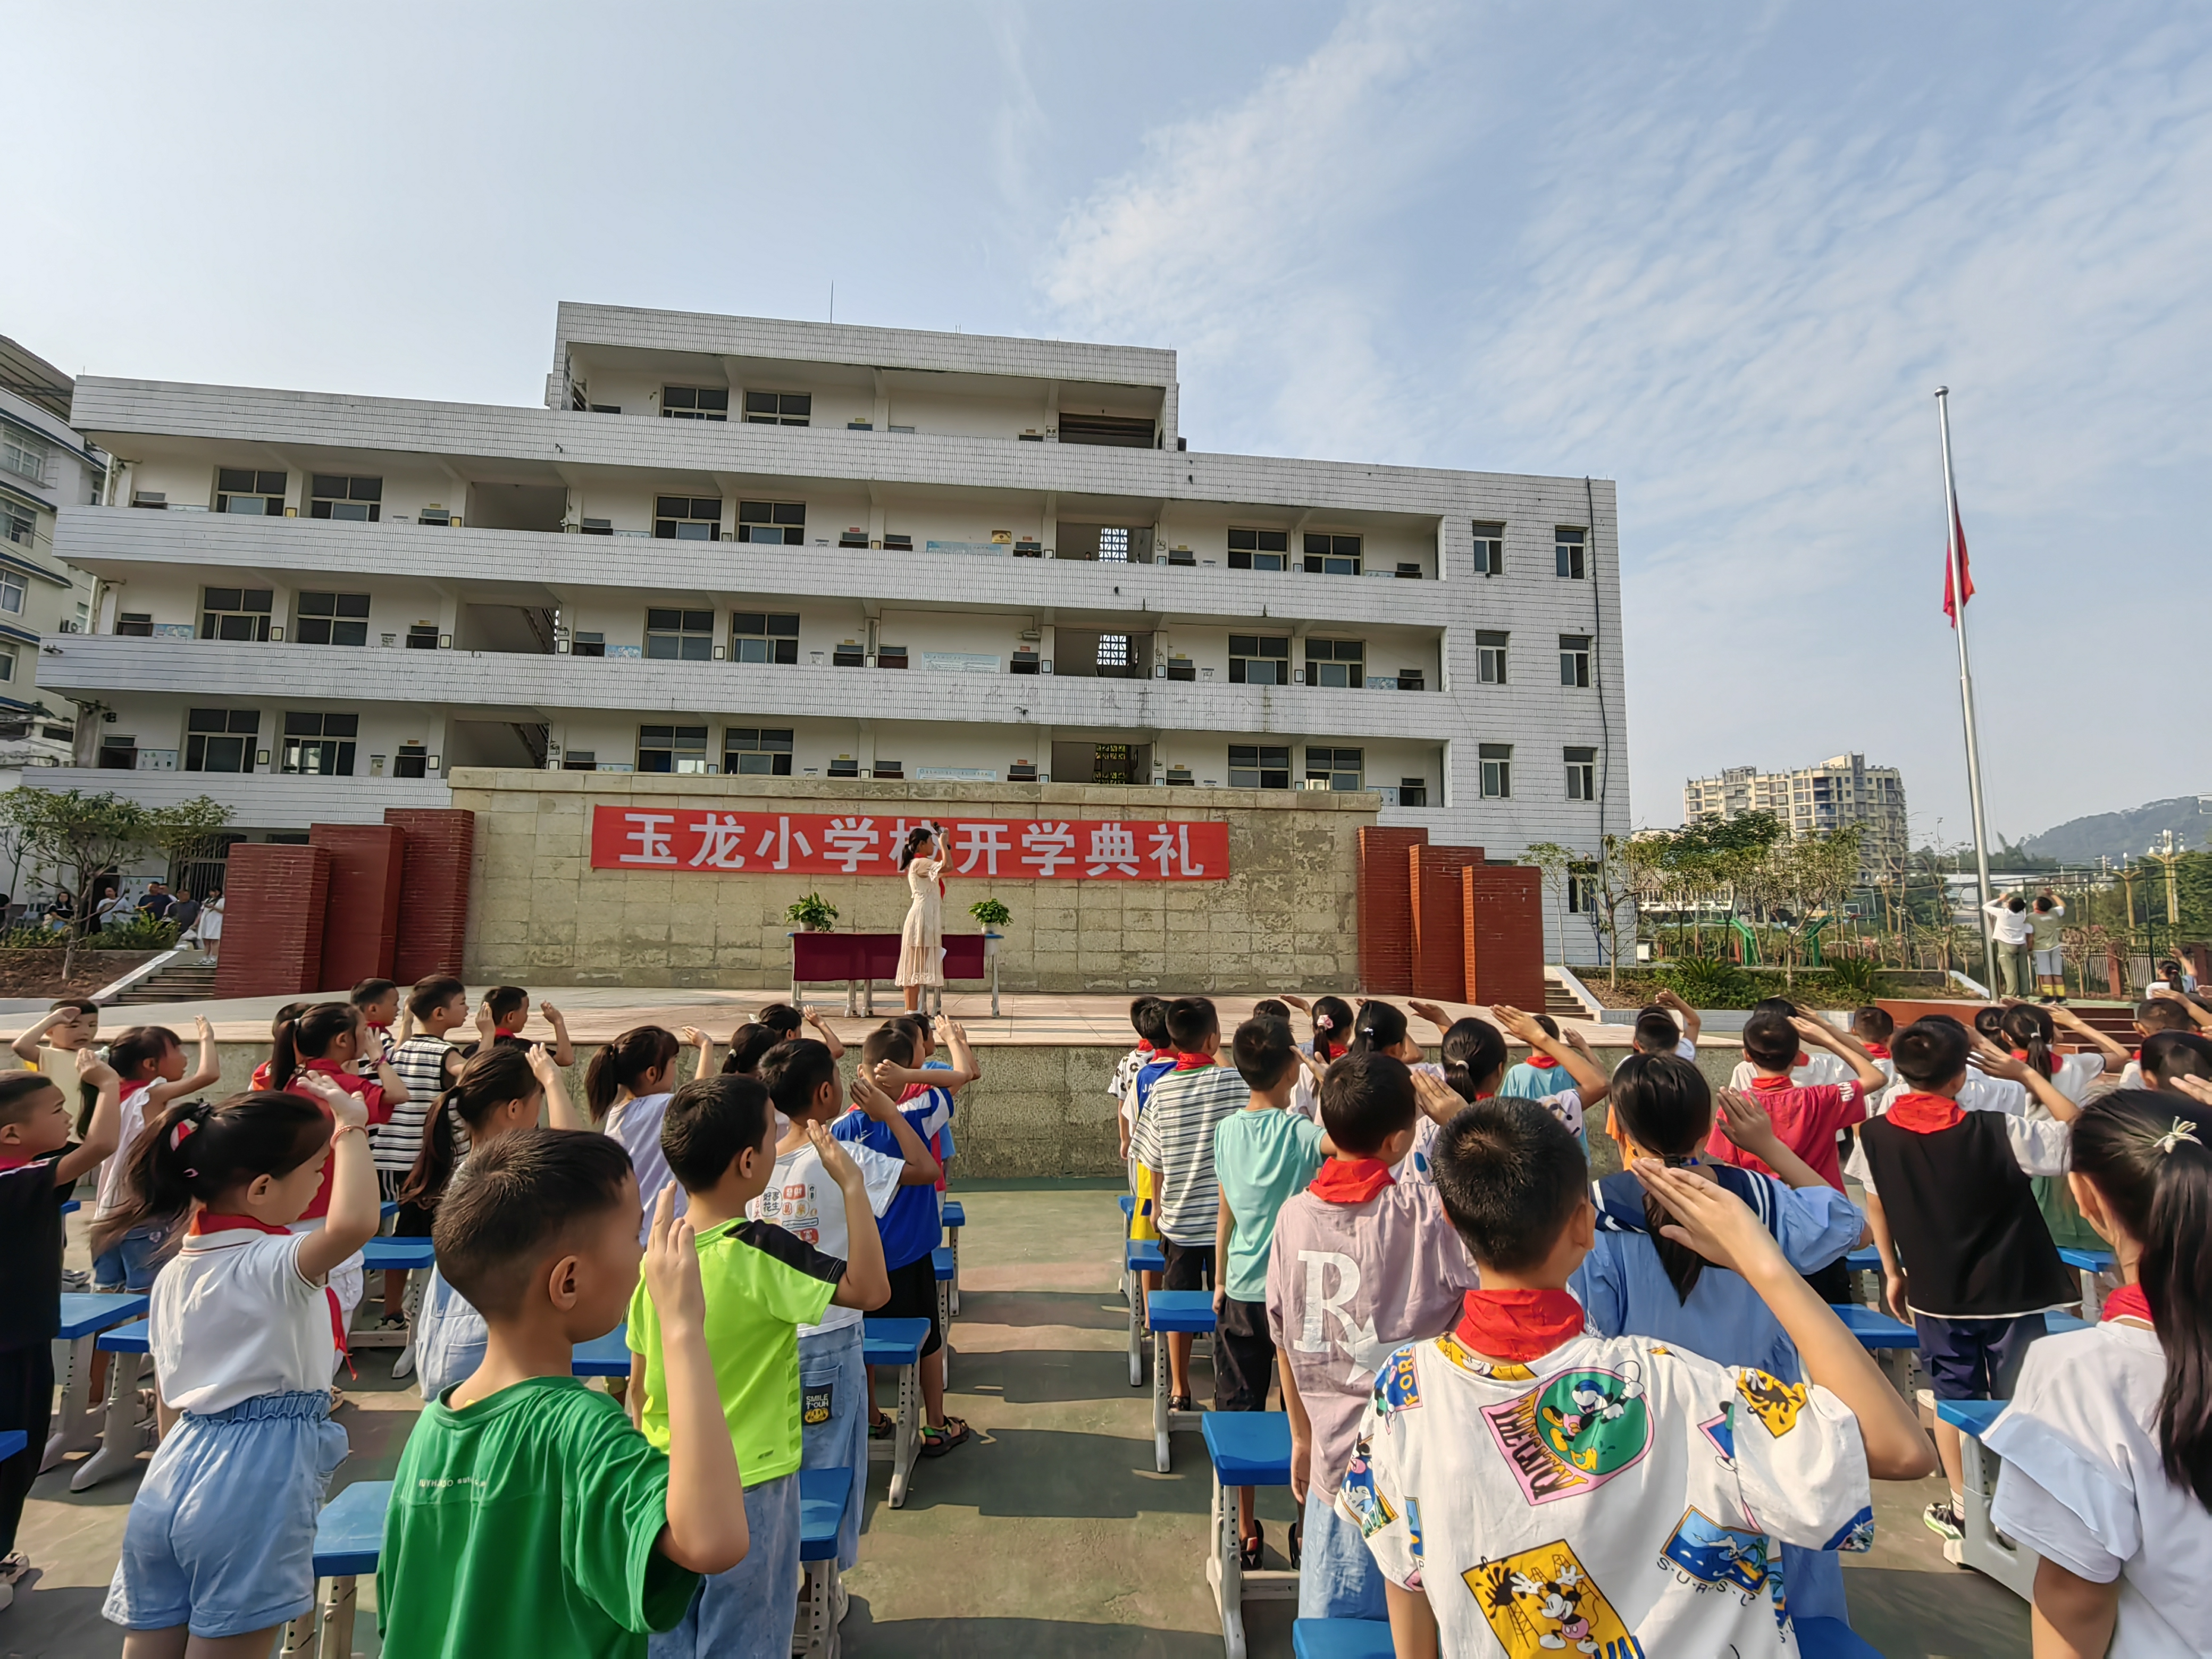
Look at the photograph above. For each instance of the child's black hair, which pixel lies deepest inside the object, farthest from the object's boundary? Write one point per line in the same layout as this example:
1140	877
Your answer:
1656	1032
912	844
429	995
1364	1100
1931	1051
1989	1022
489	1079
711	1122
307	1037
506	1001
888	1041
196	1150
1665	1106
629	1057
1474	1055
1873	1025
780	1018
2163	1014
2169	1054
1511	1176
1191	1021
1149	1015
747	1044
136	1053
1781	1005
20	1092
1264	1049
369	990
1380	1027
2150	1158
515	1199
83	1005
1769	1042
793	1071
1333	1037
2029	1030
1271	1008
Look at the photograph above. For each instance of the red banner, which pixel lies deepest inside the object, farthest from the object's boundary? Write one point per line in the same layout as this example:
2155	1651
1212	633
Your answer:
851	844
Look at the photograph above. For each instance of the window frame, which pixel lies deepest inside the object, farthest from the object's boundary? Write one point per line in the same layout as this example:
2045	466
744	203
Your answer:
1256	548
273	498
1493	663
334	626
14	592
781	649
679	744
351	494
772	524
231	728
1254	765
685	636
1335	658
1240	662
670	526
1575	661
18	523
1489	547
1570	553
772	744
340	745
1335	769
692	408
1494	764
213	624
783	413
1333	550
25	447
1580	761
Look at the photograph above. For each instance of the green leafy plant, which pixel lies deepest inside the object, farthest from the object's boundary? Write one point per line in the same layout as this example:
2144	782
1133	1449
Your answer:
990	913
29	936
1711	982
813	913
1856	979
139	933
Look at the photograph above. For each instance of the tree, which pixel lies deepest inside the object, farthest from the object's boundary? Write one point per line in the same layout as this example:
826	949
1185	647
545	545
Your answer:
84	837
1803	881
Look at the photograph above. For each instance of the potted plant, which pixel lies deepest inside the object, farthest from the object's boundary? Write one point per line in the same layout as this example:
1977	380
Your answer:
813	913
991	913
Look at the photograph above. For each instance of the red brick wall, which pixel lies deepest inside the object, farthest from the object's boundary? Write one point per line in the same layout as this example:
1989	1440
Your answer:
362	921
1439	961
1386	910
435	880
1501	933
273	901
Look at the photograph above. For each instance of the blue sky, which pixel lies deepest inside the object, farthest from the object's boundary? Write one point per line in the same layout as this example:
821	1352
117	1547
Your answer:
1720	254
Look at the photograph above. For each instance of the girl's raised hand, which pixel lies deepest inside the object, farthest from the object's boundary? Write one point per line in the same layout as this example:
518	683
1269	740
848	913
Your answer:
346	1106
202	1030
541	1065
691	1035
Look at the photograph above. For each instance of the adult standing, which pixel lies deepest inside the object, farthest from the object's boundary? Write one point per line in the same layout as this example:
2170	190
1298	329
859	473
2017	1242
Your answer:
156	903
921	939
184	914
2008	924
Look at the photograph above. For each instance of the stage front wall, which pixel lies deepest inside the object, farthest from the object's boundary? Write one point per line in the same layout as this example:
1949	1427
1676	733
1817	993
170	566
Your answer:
544	910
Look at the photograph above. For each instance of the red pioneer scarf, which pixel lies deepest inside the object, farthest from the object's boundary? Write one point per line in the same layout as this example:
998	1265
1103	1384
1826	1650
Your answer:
1518	1325
1923	1114
207	1221
1542	1062
1876	1050
1351	1181
1192	1062
2129	1301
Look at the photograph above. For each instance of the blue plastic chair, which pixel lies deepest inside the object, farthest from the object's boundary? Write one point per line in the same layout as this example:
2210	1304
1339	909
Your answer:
822	1496
397	1254
1831	1639
1249	1448
348	1538
84	1316
896	1345
1190	1311
604	1356
1342	1638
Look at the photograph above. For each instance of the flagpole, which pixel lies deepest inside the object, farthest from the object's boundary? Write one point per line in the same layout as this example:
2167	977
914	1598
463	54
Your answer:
1958	582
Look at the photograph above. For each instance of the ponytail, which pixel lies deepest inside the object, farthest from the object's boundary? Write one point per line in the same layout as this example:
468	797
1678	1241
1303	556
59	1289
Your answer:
2028	1029
1381	1028
747	1044
141	1046
308	1036
491	1078
2150	1156
640	1050
1332	1027
195	1151
1473	1054
1665	1106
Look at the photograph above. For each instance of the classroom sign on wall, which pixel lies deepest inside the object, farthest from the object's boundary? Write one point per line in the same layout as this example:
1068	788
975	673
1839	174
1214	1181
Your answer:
852	844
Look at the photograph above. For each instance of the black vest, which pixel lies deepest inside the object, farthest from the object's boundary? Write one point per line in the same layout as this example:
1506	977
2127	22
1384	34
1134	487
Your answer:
1963	1217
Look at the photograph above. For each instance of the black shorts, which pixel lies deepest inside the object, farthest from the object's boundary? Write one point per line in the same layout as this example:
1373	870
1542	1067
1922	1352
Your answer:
914	1296
1833	1282
1243	1357
411	1220
1190	1266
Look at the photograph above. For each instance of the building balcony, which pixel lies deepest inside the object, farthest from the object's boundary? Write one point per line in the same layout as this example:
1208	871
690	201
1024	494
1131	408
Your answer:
258	800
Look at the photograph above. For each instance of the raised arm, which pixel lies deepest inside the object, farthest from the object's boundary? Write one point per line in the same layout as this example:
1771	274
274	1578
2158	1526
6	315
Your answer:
965	1067
1579	1063
866	1284
105	1131
1747	1125
1821	1035
26	1046
354	1213
564	1052
560	1111
1692	1022
828	1037
208	1074
692	1036
2196	1010
2114	1055
1999	1063
706	1530
1433	1014
923	1168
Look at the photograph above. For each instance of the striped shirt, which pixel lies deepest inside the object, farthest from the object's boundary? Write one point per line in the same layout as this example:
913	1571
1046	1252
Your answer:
420	1063
1175	1135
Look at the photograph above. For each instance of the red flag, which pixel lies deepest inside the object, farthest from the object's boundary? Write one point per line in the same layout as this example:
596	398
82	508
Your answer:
1965	571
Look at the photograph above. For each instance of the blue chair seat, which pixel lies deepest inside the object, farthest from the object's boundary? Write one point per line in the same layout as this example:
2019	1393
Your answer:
946	1264
1249	1448
391	1209
385	1254
1831	1639
1342	1638
133	1337
2089	1261
1179	1310
72	1205
349	1531
604	1356
893	1341
1145	1256
955	1216
1972	1416
1868	1261
2057	1322
84	1313
12	1442
822	1494
1128	1203
1876	1330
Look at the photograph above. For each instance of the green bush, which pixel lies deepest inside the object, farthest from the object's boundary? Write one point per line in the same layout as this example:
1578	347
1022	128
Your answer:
990	913
139	933
29	936
1711	982
1856	979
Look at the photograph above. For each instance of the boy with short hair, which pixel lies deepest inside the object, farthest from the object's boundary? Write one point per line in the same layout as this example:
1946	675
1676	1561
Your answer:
506	1011
528	1516
51	1047
1518	1479
1657	1030
1174	1143
2170	1055
1360	1263
2164	1009
759	1284
1820	1065
2046	924
378	1002
1149	1015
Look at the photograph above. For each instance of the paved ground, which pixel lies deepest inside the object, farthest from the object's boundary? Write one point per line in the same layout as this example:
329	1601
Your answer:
1051	1534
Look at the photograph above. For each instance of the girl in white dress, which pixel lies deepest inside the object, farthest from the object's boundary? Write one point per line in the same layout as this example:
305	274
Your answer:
921	940
209	925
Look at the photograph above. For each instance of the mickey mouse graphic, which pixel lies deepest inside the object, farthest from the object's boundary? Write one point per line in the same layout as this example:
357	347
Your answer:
1559	1599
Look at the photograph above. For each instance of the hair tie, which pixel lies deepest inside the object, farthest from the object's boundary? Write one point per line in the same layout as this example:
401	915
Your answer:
184	1127
2183	1130
1323	1023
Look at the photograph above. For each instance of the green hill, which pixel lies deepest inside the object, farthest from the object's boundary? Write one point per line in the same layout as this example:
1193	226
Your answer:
2110	835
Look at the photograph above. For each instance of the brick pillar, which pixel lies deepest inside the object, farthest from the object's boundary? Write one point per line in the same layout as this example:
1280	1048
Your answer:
273	901
1386	910
362	918
434	919
1501	933
1439	959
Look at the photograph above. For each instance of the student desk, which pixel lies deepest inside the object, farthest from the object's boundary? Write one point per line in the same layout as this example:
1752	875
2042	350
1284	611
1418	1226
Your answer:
1249	1448
1173	1310
1892	1342
602	1356
1342	1638
947	1268
348	1538
955	1217
124	1433
386	1254
2096	1270
896	1344
84	1316
1981	1548
822	1494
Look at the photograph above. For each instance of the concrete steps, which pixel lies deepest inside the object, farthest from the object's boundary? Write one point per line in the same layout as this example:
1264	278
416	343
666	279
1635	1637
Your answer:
182	981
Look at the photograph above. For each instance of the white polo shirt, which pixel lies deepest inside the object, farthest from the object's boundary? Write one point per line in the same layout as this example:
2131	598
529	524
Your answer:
232	1318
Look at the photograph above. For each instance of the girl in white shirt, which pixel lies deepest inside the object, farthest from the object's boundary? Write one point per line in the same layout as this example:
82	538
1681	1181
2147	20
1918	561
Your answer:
219	1548
150	1061
2107	1444
627	1086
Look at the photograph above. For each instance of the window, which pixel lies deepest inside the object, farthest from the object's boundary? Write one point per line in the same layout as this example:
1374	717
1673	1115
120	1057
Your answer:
361	499
16	522
1582	890
1574	659
221	739
1333	556
853	538
119	752
11	593
1113	651
1258	549
1413	792
1257	659
686	517
412	760
1113	544
1496	760
1490	550
1116	431
441	517
1110	762
258	494
844	766
694	403
334	619
1582	773
680	636
758	637
1258	766
1336	662
1338	767
1567	550
889	769
136	624
783	522
580	760
235	613
7	663
672	749
1490	657
894	543
848	653
422	636
779	407
321	745
23	455
580	644
597	527
891	656
756	752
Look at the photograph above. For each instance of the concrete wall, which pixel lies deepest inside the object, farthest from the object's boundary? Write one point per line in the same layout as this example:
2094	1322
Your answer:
539	914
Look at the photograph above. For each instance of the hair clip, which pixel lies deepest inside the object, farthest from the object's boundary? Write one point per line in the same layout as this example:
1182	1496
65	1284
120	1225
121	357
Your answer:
184	1127
2183	1130
1679	1160
1323	1023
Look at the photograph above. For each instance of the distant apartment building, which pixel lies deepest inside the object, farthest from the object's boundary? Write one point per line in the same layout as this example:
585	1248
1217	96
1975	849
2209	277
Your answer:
44	467
1814	800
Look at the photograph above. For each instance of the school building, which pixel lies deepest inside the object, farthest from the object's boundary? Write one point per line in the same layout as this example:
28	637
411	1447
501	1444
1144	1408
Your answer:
44	468
740	548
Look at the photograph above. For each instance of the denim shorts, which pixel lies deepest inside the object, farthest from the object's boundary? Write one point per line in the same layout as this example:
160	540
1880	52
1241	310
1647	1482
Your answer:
748	1612
131	1262
833	1401
222	1536
1339	1578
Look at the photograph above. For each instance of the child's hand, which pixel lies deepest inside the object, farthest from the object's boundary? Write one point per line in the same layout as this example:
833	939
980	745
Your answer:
1430	1012
542	1066
91	1068
202	1030
487	1027
1576	1040
552	1014
672	1266
2063	1016
1521	1027
813	1016
870	1097
1220	1303
1437	1098
1316	1064
1298	1003
1817	1031
1895	1292
691	1035
952	1029
406	1024
836	1163
2196	1088
1997	1062
346	1106
1669	1001
1746	1124
1711	1220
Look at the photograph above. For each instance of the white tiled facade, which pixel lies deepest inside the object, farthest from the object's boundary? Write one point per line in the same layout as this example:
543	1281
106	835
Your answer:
1841	791
384	589
44	467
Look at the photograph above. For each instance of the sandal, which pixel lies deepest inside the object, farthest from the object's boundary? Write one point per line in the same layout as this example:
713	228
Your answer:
1252	1550
882	1428
936	1441
1297	1545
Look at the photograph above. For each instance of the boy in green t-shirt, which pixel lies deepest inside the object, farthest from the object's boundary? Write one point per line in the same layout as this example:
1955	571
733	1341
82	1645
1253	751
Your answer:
761	1284
528	1518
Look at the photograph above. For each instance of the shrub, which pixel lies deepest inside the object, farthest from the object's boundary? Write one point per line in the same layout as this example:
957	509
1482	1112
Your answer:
1856	979
990	913
140	932
813	913
1711	982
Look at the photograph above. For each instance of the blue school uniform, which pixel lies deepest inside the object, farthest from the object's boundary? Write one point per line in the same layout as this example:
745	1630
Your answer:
1625	1292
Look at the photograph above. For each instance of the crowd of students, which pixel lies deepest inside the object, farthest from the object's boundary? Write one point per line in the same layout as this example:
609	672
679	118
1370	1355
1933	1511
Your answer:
1600	1417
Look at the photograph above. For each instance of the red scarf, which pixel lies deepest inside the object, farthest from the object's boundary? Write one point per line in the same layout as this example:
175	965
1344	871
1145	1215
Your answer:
1192	1062
1876	1050
1768	1085
1144	1045
1351	1181
1923	1114
1518	1325
11	1161
499	1031
207	1221
2051	1068
1542	1062
2129	1301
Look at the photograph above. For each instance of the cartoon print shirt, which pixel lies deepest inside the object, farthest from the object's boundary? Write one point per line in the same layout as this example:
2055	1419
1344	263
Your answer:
1567	1106
1618	1497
